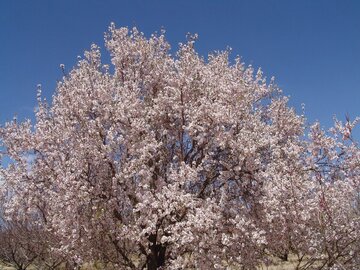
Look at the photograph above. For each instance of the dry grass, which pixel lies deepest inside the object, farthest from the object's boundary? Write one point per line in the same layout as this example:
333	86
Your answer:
280	265
277	265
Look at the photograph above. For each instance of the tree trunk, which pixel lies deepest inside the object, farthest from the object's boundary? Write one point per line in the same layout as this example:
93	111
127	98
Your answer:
156	258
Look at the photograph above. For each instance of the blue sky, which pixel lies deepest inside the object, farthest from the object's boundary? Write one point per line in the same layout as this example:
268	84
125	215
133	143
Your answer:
311	47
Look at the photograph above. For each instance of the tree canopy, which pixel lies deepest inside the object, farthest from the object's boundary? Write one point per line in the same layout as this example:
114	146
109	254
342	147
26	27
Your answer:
164	161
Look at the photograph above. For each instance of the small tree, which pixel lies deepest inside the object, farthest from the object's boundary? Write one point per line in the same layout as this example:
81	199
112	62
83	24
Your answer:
19	245
175	162
25	245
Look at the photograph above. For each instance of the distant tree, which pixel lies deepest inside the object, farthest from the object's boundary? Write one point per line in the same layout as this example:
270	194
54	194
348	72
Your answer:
177	162
24	245
16	249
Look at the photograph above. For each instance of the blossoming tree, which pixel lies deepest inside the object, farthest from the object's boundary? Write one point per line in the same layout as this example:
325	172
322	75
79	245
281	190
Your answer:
176	162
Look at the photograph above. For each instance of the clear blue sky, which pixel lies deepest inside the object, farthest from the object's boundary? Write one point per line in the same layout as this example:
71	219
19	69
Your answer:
311	47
